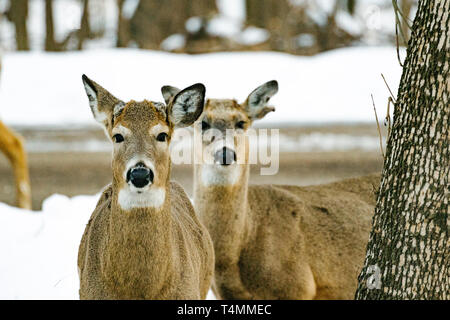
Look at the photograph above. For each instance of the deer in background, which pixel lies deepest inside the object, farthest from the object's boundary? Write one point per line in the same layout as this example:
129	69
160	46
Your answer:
144	240
11	144
274	241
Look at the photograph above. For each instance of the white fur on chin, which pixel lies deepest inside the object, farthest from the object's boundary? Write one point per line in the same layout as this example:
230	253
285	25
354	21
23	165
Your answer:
217	175
129	198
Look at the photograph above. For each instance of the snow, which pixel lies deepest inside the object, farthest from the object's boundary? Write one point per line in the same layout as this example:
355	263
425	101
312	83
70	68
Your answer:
315	141
234	9
129	8
39	250
39	88
173	42
252	35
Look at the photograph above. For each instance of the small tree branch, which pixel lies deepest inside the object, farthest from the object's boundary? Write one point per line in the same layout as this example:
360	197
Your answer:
378	126
390	91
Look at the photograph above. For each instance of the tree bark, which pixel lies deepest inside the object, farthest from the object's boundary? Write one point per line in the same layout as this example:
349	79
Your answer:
17	14
408	250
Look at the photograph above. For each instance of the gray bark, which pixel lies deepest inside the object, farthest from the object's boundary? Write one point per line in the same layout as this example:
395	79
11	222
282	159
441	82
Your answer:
408	250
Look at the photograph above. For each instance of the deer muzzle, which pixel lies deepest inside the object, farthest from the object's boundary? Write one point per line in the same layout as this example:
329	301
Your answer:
140	176
225	156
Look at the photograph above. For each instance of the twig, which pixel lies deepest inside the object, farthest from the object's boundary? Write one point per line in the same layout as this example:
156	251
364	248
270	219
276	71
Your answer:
397	45
388	118
405	19
378	126
390	91
398	26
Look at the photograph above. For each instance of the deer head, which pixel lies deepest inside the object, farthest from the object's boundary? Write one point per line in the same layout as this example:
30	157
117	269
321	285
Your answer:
223	127
141	134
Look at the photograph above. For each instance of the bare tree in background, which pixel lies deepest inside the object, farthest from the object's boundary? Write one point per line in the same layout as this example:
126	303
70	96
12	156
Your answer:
81	34
50	42
123	27
17	14
85	31
285	21
408	251
153	20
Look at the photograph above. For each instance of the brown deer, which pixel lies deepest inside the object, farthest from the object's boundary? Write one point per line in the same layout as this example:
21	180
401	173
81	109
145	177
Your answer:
144	240
11	144
274	241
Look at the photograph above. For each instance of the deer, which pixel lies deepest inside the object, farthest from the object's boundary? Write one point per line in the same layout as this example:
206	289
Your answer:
274	241
144	239
12	146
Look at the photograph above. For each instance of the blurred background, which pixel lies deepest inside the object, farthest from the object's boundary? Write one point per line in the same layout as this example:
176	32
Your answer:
327	55
301	27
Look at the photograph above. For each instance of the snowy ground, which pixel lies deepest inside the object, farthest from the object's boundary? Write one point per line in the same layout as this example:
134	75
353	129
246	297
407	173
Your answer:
46	89
39	249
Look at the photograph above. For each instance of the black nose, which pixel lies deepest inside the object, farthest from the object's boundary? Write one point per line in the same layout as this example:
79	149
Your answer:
225	156
140	176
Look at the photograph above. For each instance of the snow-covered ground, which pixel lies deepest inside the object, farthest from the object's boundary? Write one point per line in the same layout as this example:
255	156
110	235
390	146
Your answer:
45	88
39	250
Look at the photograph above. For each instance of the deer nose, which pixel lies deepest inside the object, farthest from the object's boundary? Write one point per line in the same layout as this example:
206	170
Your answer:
225	156
140	176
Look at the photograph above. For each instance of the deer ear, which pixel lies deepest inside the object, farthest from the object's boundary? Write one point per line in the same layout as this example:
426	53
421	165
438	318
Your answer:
104	106
187	105
168	92
256	103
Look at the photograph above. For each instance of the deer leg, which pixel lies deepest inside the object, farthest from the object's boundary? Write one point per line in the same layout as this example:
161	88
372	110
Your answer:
11	145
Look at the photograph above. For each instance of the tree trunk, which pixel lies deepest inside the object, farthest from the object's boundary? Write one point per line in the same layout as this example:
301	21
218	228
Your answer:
85	30
408	250
267	14
50	42
154	20
17	14
123	27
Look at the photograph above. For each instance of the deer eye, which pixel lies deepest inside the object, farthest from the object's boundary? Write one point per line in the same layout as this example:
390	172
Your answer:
205	125
118	138
240	125
162	137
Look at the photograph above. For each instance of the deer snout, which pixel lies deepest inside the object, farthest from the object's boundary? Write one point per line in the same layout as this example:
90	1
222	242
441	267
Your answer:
140	176
225	156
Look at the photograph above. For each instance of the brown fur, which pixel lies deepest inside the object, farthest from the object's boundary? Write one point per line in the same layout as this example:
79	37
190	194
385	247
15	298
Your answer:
11	144
147	252
282	242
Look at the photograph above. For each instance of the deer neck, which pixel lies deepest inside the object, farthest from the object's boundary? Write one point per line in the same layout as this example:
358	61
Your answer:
223	208
137	254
